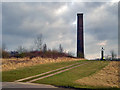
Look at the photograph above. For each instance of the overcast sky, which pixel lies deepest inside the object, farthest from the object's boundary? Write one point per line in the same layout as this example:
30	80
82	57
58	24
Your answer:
56	21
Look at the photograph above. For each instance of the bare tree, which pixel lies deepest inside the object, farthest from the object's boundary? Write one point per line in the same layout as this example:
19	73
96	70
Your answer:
60	48
38	42
3	46
21	49
0	52
113	55
44	48
70	54
31	48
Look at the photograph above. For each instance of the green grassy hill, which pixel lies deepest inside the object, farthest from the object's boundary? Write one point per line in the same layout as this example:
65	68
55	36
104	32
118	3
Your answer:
64	79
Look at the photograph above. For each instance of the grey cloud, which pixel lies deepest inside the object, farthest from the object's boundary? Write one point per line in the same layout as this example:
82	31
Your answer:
23	21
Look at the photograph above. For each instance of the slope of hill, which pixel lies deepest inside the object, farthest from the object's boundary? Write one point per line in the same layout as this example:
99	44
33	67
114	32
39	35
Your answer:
15	63
107	77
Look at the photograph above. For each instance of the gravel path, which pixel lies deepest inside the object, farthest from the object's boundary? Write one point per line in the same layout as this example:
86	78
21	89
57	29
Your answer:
29	86
24	85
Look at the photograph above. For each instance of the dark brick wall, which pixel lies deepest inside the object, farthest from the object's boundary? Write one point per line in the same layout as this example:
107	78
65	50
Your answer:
80	37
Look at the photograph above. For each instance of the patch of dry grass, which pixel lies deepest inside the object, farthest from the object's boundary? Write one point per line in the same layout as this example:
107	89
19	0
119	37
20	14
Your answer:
14	63
107	77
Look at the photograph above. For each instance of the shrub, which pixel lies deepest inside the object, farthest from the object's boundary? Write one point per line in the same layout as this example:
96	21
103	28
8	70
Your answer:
5	54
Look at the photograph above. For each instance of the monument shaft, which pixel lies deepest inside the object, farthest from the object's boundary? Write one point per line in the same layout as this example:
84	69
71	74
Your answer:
80	36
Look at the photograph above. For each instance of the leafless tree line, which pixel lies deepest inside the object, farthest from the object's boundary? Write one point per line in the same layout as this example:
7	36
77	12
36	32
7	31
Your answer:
112	55
38	46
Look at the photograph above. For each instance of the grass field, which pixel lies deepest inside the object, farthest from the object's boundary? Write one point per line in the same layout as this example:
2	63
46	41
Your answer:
73	78
107	77
23	72
67	79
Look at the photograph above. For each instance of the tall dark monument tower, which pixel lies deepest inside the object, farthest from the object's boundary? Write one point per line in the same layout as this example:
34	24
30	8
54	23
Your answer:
80	36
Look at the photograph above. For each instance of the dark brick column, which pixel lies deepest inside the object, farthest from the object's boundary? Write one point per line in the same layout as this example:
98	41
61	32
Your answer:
80	36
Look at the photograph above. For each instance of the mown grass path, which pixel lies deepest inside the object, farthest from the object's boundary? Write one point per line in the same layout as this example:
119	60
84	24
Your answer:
52	71
55	73
25	72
